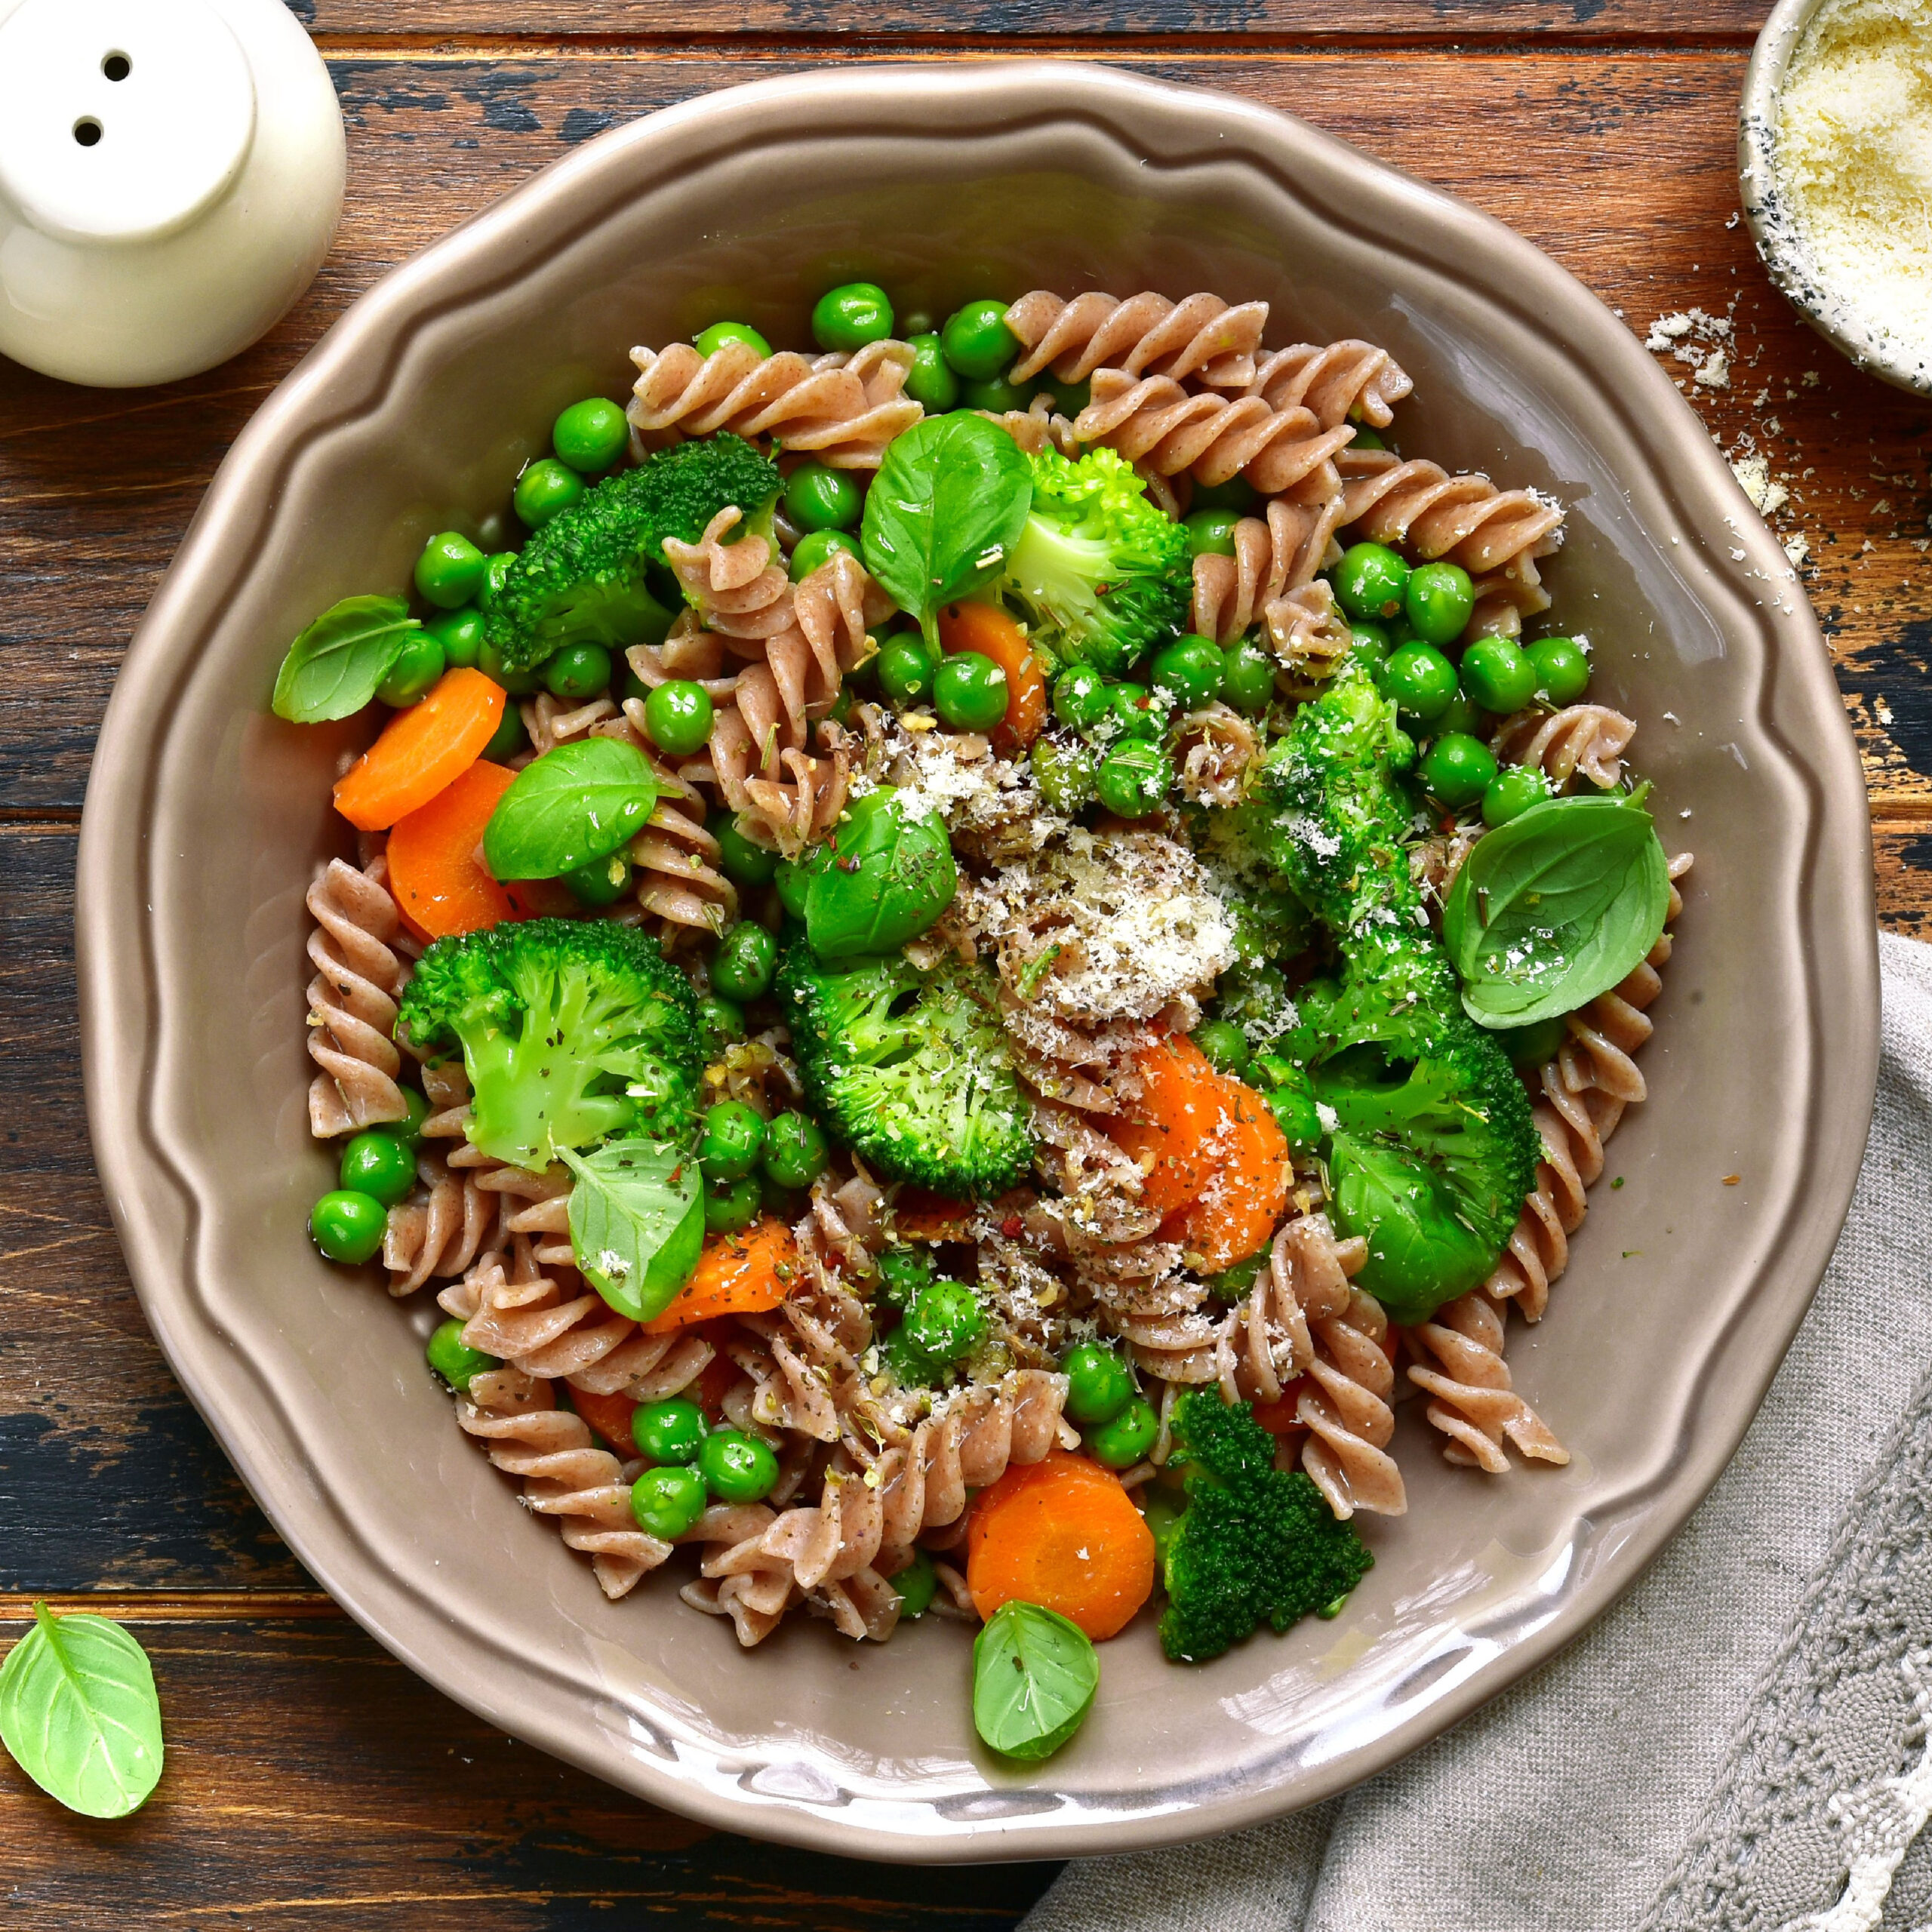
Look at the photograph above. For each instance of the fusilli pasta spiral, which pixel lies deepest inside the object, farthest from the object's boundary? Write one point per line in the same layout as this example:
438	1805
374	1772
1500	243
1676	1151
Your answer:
1272	557
1586	738
352	1003
1335	382
1472	1399
1146	334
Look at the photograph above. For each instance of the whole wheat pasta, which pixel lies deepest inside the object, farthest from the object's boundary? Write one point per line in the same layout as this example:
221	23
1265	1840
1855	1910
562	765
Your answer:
441	1233
1216	750
1039	426
1586	738
352	1003
1472	1399
1202	337
1308	633
1273	555
1336	382
551	721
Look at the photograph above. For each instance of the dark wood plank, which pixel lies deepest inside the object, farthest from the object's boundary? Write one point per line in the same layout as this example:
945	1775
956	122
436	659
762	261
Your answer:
312	1781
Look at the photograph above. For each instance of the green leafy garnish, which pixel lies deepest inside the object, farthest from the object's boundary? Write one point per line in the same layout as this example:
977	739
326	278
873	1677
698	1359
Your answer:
79	1712
637	1223
1034	1677
332	669
1555	906
945	510
572	805
890	875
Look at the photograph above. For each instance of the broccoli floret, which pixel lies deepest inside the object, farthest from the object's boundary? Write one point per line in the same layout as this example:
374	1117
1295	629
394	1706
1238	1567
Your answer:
909	1069
582	578
571	1030
1104	575
1433	1149
1255	1545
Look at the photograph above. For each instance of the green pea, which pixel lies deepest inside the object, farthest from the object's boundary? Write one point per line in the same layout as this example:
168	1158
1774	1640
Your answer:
1068	398
409	1129
450	571
545	489
1237	493
1126	1440
348	1225
1191	671
1562	669
1533	1045
732	1206
600	881
945	1322
746	958
509	737
1064	774
414	675
1133	712
847	318
1133	779
782	1204
577	671
1512	793
1457	769
709	342
678	715
1164	1519
1080	697
453	1359
970	692
1248	681
378	1164
1099	1384
719	1022
1225	1045
733	1137
460	633
1211	533
1401	750
667	1503
795	1153
672	1431
1438	602
743	861
1370	643
930	382
519	684
590	435
793	881
1371	581
1420	680
917	1584
1497	676
1459	714
977	342
1293	1109
737	1468
905	669
817	548
995	394
819	498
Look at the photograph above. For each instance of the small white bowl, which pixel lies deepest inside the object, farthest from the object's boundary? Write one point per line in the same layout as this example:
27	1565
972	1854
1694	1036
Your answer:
1781	241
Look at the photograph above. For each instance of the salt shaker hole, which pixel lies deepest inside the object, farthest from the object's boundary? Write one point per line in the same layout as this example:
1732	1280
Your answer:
117	67
87	132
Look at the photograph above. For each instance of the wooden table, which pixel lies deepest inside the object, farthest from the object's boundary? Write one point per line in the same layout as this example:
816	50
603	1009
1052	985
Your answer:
311	1781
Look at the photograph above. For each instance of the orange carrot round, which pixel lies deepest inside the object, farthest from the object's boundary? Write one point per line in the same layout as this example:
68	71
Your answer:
1178	1113
439	884
1246	1187
421	751
1061	1533
609	1415
988	630
742	1274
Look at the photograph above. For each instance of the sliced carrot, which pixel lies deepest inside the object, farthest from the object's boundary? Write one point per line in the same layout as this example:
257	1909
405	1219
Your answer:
988	630
742	1274
1283	1415
421	751
720	1372
439	885
1247	1188
609	1415
917	1215
1179	1111
1062	1533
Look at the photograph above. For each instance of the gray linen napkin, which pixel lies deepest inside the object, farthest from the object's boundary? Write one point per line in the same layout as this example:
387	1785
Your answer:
1743	1743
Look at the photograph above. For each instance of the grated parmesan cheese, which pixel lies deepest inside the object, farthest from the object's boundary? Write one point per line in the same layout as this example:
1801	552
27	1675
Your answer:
1854	159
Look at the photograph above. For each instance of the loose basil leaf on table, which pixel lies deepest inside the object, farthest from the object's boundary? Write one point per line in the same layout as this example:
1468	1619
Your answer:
332	669
80	1714
637	1223
890	875
1556	905
572	805
947	506
1034	1677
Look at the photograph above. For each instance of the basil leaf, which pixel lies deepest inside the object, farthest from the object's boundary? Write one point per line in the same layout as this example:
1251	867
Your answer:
948	504
79	1712
891	876
637	1223
1553	907
332	669
1034	1677
573	804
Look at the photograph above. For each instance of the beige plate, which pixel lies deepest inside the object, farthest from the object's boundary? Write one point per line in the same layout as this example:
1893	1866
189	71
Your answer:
206	817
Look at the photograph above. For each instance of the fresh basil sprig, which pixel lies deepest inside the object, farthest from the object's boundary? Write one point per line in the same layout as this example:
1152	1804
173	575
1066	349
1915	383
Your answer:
80	1714
332	669
637	1223
1554	906
573	804
891	875
1034	1677
948	504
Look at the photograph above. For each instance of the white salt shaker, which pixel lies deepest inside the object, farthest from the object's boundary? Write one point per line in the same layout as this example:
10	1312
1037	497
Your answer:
171	173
